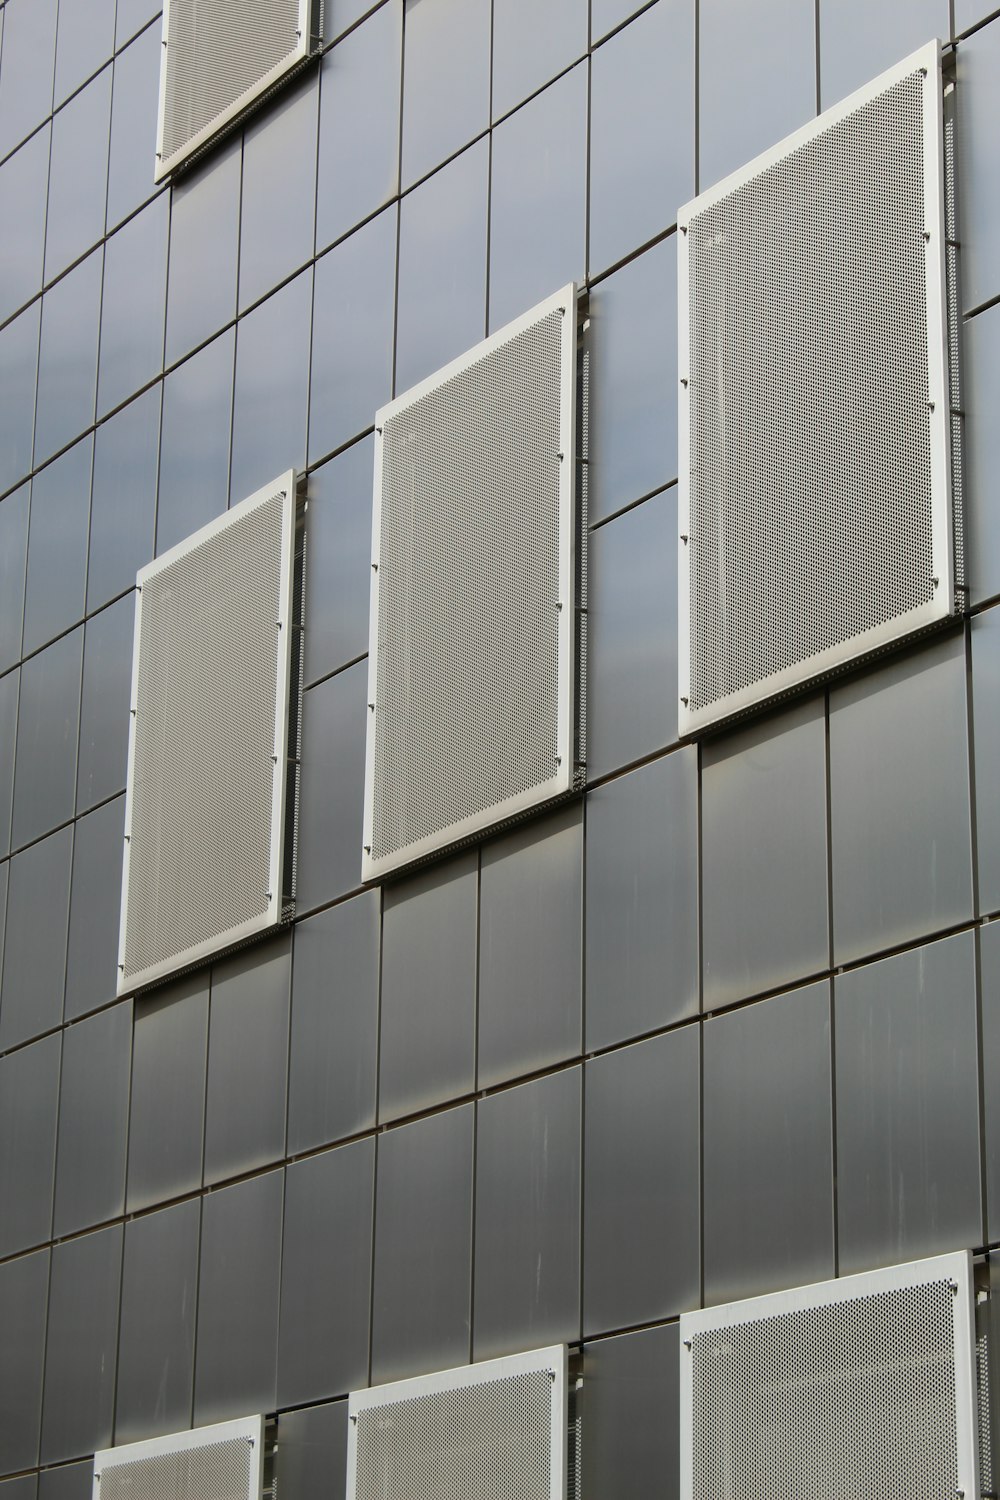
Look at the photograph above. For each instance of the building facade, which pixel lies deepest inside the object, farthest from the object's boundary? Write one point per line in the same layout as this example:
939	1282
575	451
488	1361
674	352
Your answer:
726	1023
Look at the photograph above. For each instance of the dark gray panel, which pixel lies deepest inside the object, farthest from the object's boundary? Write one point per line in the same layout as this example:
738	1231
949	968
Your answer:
538	199
768	1149
642	900
134	308
764	874
81	1346
632	1397
641	131
352	348
633	381
57	546
527	1282
446	80
156	1344
279	188
24	1486
859	41
67	359
333	777
68	1482
48	723
85	36
169	1058
427	1050
531	44
34	961
271	398
24	1289
29	1107
237	1342
334	1024
95	908
326	1274
29	37
989	958
908	1179
93	1120
23	179
641	1191
981	393
8	736
359	101
986	738
133	125
18	371
13	569
312	1456
4	870
104	704
632	637
78	174
247	1060
194	445
423	1246
441	302
531	921
899	790
338	560
979	164
204	250
737	116
123	502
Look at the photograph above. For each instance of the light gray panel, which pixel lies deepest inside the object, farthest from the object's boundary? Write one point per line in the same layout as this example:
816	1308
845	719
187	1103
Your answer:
527	1272
167	1125
194	447
48	725
80	1362
279	187
133	124
13	566
204	249
24	1290
333	783
67	358
859	41
899	791
423	1246
134	305
641	131
95	908
57	546
979	164
531	917
123	503
427	1044
531	44
908	1174
981	385
271	390
446	80
986	738
29	37
989	960
768	1147
34	960
18	371
85	36
334	1039
78	173
764	874
23	180
93	1120
29	1108
641	1241
632	1414
104	703
247	1060
338	560
156	1346
642	900
8	737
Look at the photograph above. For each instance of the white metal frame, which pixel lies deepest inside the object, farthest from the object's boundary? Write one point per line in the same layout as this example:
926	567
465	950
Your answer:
251	1428
288	64
943	604
552	1359
955	1267
562	780
285	484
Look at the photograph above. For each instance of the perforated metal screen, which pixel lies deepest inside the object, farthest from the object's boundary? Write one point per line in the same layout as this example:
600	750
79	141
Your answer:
473	630
218	60
815	486
851	1398
477	1438
203	861
216	1463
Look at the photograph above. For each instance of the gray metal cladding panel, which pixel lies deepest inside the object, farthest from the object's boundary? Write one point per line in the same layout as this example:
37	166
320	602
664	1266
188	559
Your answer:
814	438
217	60
209	730
472	598
866	1390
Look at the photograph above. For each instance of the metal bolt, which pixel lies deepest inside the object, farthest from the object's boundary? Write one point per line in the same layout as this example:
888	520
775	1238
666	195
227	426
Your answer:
379	431
372	707
279	624
353	1417
684	539
954	1287
935	582
374	567
685	702
368	850
687	1343
927	234
563	311
561	456
559	604
684	229
930	406
683	382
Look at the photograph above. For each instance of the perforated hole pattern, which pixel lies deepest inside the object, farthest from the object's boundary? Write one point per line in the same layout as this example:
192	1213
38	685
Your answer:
467	699
485	1441
202	782
853	1401
810	484
216	1471
215	53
